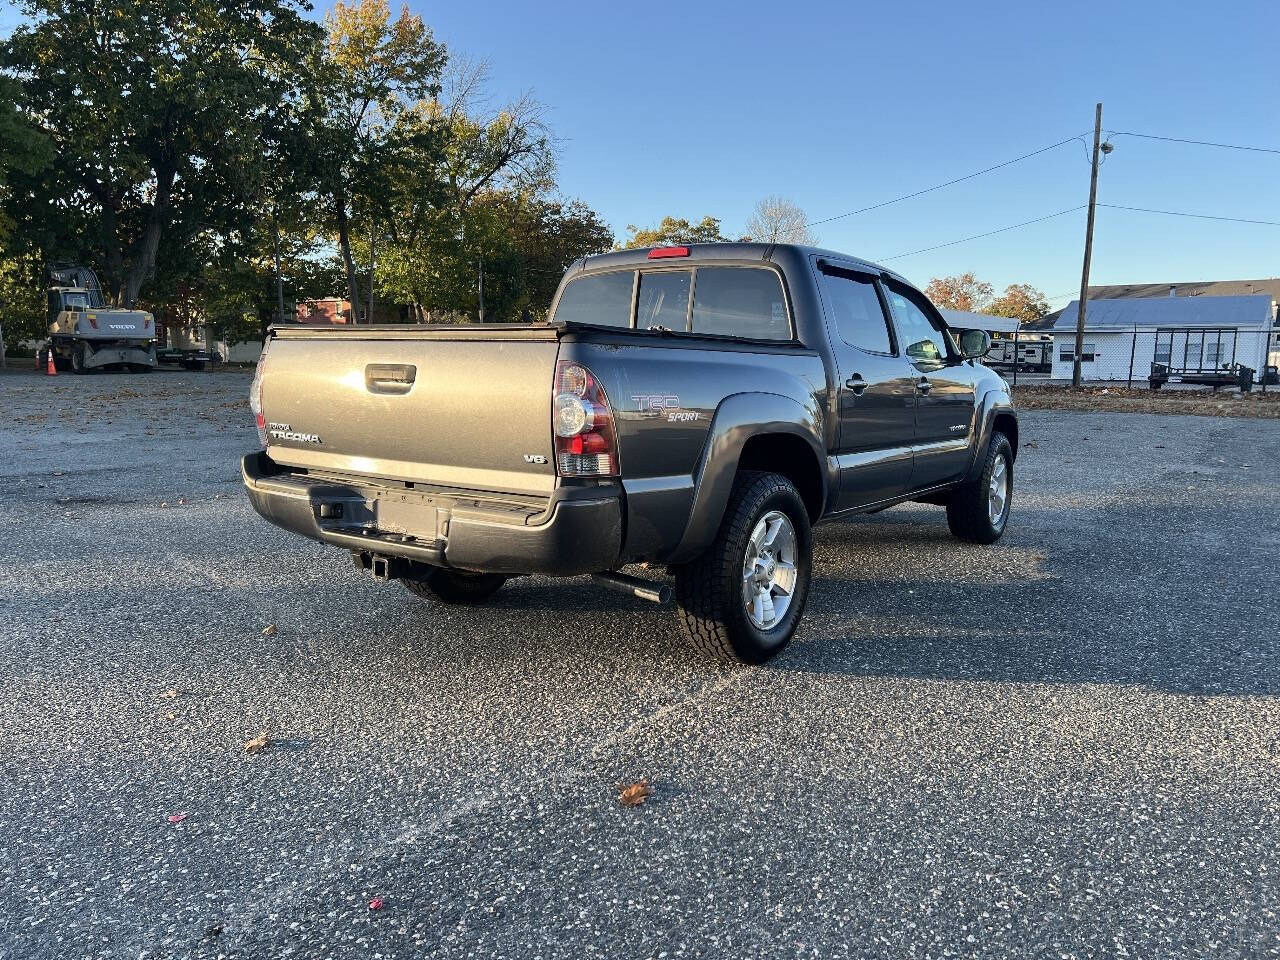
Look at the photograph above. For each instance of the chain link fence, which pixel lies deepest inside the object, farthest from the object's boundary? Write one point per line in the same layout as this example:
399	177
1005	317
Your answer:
1209	358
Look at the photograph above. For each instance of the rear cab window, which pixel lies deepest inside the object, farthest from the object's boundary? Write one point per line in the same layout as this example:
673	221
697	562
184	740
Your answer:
603	299
729	301
740	302
664	300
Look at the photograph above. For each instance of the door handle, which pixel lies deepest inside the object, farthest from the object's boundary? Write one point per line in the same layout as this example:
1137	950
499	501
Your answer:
390	377
856	384
923	385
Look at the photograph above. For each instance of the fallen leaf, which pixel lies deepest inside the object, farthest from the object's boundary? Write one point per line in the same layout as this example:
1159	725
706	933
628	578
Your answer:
260	742
269	630
634	794
169	695
375	903
171	715
182	501
164	504
177	817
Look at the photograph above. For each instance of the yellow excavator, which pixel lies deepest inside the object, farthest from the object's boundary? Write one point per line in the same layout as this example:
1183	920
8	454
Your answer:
86	335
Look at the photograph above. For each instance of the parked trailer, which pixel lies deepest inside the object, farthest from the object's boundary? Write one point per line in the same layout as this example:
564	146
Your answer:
188	346
1031	355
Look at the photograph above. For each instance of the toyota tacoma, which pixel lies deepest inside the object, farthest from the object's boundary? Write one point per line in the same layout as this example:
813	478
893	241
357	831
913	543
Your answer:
696	408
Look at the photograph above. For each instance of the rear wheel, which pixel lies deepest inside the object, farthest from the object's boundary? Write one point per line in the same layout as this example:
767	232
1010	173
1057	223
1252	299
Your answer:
742	599
979	511
456	586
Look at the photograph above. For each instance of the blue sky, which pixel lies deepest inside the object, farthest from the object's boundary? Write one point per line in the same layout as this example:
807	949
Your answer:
703	108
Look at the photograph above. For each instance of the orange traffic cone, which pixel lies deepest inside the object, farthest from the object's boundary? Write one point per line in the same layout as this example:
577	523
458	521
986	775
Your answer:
51	370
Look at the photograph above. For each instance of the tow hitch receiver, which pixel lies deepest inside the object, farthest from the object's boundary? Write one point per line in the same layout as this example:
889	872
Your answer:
382	568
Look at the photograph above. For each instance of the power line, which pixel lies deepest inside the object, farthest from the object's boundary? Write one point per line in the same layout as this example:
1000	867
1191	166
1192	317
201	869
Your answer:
1199	143
989	233
918	193
1198	216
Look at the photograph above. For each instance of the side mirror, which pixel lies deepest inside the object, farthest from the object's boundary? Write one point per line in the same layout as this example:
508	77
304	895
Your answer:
975	344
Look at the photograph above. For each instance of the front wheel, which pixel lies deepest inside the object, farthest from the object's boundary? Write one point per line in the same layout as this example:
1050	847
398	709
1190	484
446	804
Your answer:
79	358
456	586
742	599
979	510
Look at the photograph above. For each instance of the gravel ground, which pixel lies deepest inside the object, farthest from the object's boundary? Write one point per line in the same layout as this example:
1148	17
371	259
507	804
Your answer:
1065	745
1171	399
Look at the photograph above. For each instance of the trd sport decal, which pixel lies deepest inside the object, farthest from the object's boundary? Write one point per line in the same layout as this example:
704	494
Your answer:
666	406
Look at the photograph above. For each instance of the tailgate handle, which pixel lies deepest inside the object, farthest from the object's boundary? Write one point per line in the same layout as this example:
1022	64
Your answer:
390	377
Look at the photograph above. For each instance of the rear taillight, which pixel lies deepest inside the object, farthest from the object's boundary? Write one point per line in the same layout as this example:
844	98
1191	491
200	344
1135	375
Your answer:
582	423
93	321
255	394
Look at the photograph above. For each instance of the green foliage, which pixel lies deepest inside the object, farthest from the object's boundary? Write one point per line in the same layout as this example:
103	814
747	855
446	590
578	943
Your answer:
374	73
673	232
22	306
24	150
158	111
172	145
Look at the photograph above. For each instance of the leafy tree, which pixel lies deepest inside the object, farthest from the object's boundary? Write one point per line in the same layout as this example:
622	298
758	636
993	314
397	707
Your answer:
779	220
549	236
485	153
674	232
155	109
524	240
963	292
1020	300
375	71
24	149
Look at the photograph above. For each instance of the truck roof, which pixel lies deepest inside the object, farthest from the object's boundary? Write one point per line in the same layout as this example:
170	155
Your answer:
707	252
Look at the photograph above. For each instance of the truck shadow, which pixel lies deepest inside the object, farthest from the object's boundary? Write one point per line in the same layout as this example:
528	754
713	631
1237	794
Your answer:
901	599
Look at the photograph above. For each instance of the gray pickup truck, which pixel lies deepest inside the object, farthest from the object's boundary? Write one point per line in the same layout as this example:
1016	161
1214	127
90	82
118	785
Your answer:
696	408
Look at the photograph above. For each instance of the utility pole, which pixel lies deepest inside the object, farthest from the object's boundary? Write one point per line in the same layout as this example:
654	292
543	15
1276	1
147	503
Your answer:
480	287
1088	250
373	235
275	230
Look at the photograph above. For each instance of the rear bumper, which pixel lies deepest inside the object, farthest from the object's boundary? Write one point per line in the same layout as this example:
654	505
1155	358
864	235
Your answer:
103	353
578	530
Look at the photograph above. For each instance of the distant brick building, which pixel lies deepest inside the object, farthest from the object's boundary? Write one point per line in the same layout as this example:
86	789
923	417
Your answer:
328	310
337	310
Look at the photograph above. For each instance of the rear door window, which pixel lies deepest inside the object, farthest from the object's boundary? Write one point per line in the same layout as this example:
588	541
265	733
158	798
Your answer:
664	300
740	302
601	298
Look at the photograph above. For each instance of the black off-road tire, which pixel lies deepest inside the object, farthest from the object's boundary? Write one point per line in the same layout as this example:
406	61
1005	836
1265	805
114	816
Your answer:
456	586
709	588
78	359
968	513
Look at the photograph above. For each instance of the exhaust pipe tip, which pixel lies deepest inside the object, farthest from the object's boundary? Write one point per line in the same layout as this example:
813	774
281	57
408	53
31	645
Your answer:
650	590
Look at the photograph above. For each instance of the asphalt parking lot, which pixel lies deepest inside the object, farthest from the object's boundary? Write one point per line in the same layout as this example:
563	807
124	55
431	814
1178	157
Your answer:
1065	745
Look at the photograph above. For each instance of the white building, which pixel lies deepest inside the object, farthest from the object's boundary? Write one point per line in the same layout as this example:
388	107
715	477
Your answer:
1123	338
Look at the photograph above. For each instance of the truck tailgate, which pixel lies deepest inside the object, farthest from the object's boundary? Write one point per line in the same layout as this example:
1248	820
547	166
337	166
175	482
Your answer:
460	407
